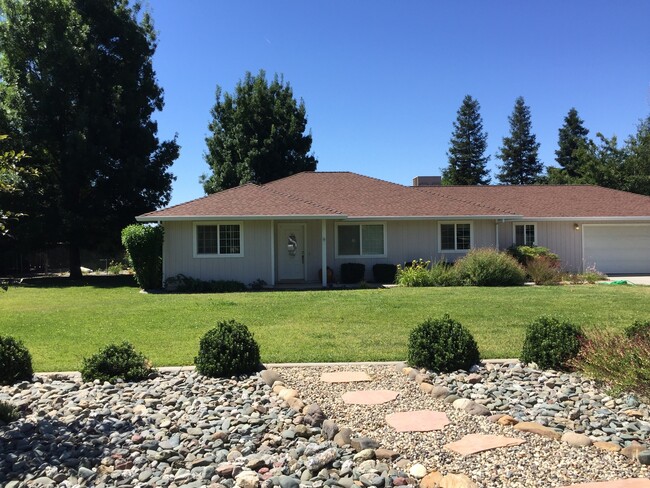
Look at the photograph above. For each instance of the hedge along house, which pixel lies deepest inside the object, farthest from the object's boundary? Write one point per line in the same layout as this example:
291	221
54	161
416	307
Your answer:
288	230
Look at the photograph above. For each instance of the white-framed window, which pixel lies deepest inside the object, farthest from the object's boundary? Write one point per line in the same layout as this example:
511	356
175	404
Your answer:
525	234
218	239
361	240
455	236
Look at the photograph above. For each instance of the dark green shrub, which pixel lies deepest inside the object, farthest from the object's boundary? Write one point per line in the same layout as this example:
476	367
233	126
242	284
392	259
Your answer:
15	361
415	273
640	328
185	284
488	267
143	245
550	342
525	254
621	362
384	273
442	345
228	349
352	272
8	413
544	271
114	362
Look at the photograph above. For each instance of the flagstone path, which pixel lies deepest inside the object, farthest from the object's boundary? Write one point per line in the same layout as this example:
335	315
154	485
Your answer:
369	397
426	420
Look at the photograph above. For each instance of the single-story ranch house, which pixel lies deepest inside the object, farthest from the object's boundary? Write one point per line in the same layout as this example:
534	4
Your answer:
288	230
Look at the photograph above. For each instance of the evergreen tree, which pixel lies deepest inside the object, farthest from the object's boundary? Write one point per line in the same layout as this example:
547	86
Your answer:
257	135
78	90
572	136
636	166
467	159
521	165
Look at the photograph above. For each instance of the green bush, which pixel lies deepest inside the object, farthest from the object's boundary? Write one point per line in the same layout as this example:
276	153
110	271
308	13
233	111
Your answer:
8	413
621	362
442	345
550	342
444	274
488	267
114	362
228	349
143	245
384	273
352	272
15	361
544	271
525	254
185	284
415	273
639	328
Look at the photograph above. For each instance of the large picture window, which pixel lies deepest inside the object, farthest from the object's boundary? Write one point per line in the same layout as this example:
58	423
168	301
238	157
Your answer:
525	235
218	239
455	236
360	240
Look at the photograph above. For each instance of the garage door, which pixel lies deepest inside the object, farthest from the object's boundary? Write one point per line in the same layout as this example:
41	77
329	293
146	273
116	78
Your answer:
617	249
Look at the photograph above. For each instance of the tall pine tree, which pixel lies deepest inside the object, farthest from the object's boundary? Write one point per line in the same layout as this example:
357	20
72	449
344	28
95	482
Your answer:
521	165
572	137
467	159
78	90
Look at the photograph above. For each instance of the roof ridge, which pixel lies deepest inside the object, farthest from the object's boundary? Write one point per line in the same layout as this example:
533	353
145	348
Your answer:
294	197
471	202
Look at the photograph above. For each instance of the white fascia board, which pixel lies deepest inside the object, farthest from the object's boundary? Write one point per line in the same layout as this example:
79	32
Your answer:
587	219
438	217
196	218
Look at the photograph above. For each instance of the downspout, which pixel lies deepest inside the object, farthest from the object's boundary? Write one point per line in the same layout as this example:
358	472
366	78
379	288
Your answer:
323	233
496	231
162	278
272	253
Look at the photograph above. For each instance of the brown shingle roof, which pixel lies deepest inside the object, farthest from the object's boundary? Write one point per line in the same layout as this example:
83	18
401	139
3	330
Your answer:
344	194
552	201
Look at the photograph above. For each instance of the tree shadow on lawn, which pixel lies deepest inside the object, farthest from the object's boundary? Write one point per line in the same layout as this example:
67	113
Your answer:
95	281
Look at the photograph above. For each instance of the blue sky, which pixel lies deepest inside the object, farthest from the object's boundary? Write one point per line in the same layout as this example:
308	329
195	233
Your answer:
382	80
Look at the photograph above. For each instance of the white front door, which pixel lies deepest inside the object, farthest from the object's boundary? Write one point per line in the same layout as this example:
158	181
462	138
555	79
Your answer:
291	252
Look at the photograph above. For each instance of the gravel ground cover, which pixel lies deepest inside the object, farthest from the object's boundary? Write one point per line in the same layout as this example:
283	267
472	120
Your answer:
183	429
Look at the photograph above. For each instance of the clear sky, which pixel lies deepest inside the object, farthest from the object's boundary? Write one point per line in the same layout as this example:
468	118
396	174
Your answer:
382	80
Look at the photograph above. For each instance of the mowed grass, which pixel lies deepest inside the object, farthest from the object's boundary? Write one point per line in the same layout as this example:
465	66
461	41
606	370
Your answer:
61	323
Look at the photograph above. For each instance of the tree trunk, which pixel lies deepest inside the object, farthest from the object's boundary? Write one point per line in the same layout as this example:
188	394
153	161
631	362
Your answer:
75	262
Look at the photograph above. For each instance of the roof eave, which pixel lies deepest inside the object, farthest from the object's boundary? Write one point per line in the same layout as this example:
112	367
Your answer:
194	218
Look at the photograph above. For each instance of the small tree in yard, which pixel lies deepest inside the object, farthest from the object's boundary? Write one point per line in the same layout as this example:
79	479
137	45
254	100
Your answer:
143	244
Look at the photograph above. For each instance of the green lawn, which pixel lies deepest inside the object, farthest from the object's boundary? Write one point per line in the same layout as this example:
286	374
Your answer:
60	323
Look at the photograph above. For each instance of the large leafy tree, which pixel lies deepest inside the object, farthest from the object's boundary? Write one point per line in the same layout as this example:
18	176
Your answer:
467	159
521	165
78	90
636	168
257	134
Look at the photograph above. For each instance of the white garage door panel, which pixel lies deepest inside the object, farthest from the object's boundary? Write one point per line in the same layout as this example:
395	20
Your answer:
617	248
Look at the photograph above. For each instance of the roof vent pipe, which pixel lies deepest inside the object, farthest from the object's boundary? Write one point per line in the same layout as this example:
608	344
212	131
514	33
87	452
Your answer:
427	181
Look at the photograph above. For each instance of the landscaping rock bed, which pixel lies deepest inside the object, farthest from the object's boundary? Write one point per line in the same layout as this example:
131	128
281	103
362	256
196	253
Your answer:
183	429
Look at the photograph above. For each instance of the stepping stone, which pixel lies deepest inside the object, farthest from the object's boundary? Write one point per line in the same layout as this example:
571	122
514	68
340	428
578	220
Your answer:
627	483
417	421
369	397
345	377
473	443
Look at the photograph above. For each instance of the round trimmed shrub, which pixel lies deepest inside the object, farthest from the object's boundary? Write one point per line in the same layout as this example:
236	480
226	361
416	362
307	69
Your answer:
116	362
442	345
227	350
15	361
8	413
488	267
551	342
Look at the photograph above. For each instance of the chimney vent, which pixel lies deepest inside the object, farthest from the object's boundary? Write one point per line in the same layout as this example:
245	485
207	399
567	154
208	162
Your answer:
427	181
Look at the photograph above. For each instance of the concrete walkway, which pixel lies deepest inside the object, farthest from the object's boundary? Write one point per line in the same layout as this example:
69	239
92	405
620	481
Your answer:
634	279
